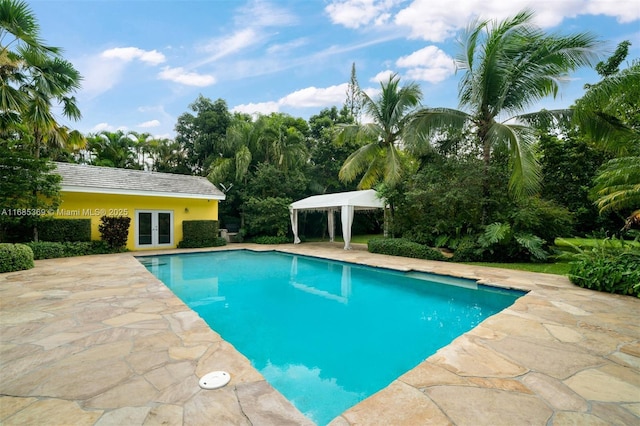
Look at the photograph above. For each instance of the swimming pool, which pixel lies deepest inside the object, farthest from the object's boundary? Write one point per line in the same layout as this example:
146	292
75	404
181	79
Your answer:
326	334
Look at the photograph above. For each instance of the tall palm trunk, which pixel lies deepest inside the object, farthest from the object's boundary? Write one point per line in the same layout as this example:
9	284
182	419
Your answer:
483	132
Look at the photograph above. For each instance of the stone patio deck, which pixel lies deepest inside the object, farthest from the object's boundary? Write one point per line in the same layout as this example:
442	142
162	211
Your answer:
98	340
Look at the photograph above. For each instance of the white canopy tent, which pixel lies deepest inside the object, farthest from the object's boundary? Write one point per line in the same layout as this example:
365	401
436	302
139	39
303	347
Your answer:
346	202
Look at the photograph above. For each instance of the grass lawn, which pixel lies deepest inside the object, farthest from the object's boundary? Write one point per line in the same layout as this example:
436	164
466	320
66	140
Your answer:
558	268
567	243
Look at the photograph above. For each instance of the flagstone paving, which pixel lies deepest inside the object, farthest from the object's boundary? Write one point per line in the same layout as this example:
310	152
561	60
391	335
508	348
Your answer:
98	340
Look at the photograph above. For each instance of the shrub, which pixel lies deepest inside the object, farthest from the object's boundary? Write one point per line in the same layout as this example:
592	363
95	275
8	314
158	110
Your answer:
265	239
267	216
115	230
215	242
607	268
200	233
15	257
58	230
52	250
46	249
403	247
467	250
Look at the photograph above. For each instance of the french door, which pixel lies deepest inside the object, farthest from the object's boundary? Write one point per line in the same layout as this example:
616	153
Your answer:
154	228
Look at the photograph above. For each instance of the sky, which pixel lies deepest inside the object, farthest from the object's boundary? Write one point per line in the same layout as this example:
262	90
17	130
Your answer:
144	62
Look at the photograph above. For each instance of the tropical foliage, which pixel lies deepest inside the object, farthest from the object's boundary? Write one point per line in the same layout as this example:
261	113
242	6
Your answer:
34	78
379	158
507	67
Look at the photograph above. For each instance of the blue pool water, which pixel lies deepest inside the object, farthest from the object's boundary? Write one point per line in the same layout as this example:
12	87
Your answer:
326	334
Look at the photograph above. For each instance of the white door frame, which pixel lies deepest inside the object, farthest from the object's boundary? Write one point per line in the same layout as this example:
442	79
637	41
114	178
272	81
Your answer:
155	233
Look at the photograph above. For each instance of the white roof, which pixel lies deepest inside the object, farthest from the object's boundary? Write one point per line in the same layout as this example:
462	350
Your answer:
360	200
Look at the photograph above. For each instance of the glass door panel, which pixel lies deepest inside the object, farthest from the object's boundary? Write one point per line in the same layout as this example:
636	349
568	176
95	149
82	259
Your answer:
164	228
145	227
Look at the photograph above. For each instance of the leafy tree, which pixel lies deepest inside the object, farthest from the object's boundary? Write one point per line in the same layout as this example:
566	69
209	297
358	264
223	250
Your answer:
612	65
508	66
326	155
379	156
28	189
267	216
202	135
269	181
354	101
569	166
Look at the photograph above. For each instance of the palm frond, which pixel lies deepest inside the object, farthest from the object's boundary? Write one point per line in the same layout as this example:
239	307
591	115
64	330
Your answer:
547	119
427	122
392	166
358	162
525	177
242	161
617	185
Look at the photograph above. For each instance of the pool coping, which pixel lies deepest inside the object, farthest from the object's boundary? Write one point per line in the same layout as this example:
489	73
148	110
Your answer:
535	362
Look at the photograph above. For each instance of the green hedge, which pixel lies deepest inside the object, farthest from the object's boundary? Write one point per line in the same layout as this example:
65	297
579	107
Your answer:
614	274
267	239
403	247
58	230
15	257
52	250
200	233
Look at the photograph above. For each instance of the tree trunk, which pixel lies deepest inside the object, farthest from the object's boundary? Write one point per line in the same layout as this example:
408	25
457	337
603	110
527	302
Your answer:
483	131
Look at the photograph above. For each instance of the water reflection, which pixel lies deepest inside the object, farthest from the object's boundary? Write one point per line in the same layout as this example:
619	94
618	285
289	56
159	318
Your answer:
322	288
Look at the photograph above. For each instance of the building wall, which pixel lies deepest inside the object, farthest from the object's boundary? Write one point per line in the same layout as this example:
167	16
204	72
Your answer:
93	206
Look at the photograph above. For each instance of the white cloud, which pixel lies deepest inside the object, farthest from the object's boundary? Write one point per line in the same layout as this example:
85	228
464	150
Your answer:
257	108
381	76
102	127
427	64
225	46
128	54
259	13
437	20
310	97
148	124
357	13
252	22
106	127
104	70
316	97
286	47
182	76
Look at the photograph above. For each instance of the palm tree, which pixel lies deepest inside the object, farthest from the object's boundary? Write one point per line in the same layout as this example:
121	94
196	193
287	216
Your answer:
241	140
508	66
113	149
32	77
618	187
609	113
283	141
379	157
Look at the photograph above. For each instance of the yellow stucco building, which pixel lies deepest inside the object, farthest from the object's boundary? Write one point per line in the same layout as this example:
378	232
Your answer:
157	203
